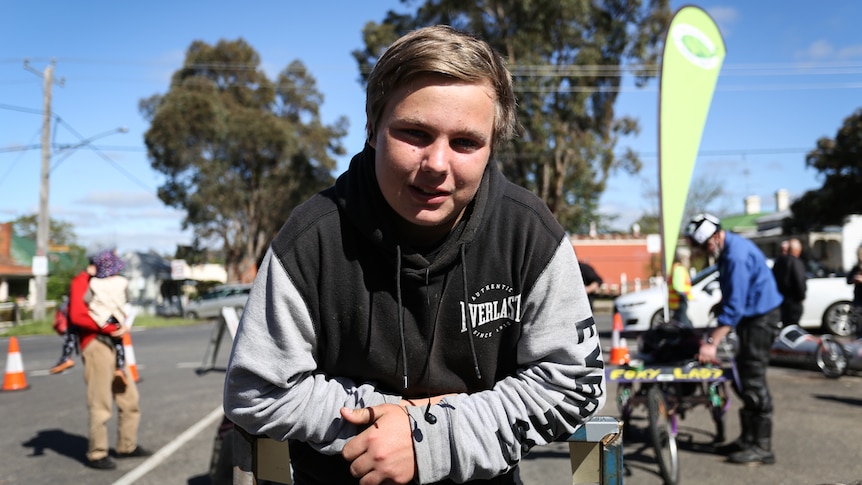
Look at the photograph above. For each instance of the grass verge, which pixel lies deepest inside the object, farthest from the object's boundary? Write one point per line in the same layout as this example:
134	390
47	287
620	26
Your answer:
45	326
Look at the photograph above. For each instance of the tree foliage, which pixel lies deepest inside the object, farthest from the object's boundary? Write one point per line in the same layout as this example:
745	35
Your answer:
567	58
839	163
60	233
239	151
706	191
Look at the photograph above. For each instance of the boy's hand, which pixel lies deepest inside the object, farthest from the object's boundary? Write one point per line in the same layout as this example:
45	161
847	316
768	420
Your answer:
383	451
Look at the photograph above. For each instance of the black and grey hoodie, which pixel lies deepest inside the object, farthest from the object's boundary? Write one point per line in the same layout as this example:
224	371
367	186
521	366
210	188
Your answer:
344	314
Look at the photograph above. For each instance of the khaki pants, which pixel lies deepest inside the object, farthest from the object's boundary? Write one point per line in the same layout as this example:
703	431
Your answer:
99	366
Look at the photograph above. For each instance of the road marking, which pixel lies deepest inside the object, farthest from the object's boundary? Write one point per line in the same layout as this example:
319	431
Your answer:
166	451
43	373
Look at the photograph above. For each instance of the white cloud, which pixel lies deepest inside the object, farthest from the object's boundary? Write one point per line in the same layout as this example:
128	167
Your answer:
818	50
850	52
116	198
821	50
725	17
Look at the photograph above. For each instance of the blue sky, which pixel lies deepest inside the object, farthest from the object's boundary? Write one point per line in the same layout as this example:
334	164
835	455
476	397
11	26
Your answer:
793	72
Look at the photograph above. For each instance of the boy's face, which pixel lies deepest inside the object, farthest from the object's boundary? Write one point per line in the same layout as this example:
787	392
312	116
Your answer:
433	142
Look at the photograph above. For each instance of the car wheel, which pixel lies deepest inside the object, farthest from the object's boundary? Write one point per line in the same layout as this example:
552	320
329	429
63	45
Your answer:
657	319
192	315
837	319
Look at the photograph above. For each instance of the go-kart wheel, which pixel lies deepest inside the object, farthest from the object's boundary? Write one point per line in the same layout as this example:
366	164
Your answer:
831	357
838	319
624	394
717	408
662	435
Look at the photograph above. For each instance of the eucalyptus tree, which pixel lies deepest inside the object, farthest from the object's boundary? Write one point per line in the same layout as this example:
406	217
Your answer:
839	163
239	151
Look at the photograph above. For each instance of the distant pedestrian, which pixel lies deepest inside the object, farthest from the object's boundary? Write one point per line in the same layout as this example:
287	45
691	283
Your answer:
789	272
855	278
98	353
750	306
679	287
592	281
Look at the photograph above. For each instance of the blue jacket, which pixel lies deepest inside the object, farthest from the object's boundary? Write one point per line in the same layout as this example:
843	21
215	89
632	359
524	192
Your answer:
748	287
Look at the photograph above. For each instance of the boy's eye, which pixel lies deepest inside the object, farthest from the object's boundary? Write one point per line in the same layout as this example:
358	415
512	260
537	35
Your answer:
414	136
465	143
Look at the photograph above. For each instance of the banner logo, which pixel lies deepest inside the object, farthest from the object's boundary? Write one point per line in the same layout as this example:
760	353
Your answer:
695	46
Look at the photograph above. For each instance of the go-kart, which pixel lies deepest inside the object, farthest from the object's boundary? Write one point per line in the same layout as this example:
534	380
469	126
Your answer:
666	379
794	346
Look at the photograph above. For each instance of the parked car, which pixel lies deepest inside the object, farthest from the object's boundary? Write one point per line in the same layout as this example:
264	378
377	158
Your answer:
827	304
209	304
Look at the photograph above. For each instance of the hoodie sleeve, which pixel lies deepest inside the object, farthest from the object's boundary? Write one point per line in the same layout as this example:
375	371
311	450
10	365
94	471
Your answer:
560	385
272	386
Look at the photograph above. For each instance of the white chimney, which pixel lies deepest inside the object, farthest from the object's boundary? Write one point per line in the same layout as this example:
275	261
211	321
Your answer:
752	204
782	200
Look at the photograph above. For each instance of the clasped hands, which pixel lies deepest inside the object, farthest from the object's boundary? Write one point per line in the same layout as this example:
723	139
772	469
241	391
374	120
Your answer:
382	453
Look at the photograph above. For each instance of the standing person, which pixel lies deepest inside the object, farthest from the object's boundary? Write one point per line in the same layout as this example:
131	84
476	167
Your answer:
679	287
106	300
399	330
592	281
750	305
789	272
854	277
98	354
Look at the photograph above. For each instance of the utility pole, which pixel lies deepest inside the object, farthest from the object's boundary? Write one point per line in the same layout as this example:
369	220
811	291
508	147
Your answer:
40	260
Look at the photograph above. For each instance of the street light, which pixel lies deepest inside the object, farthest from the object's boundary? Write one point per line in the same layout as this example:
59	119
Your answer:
67	150
40	260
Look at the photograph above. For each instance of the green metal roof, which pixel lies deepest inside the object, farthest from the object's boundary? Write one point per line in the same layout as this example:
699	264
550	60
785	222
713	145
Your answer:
23	250
742	222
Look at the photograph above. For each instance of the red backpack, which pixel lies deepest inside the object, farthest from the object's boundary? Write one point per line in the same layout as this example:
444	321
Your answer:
61	318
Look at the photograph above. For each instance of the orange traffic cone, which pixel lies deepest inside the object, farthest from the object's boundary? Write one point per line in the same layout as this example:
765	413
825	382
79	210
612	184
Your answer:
131	364
15	379
619	349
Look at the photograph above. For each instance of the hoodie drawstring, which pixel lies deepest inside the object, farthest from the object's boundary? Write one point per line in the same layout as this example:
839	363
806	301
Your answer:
467	311
400	314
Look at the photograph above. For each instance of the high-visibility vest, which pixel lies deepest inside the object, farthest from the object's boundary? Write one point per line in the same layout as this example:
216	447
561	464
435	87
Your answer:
679	273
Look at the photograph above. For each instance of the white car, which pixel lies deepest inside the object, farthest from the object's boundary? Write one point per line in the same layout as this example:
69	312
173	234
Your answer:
209	304
827	304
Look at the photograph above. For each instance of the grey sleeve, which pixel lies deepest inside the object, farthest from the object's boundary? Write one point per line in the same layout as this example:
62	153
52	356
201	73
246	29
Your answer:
560	385
272	385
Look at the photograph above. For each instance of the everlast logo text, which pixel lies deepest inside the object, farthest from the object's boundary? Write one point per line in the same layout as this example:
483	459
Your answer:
494	303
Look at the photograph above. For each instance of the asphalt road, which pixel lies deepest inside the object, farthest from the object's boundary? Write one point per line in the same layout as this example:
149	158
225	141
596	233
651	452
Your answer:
45	426
816	438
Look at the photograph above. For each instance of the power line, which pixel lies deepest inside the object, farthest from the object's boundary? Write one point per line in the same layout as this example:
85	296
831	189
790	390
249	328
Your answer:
529	70
102	155
20	108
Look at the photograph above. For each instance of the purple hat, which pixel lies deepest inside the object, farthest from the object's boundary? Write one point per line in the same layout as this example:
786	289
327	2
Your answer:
108	264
